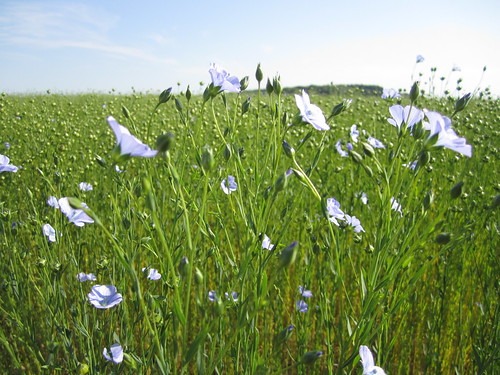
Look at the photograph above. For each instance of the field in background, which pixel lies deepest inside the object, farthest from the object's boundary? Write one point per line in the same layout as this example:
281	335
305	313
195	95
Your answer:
419	287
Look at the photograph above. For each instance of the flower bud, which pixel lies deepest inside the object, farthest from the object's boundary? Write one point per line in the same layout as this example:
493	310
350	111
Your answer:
443	238
288	255
207	158
368	149
258	74
414	91
456	190
423	158
277	86
283	335
269	87
100	161
244	83
245	105
357	158
462	102
282	181
310	357
227	152
418	130
289	150
183	266
75	203
341	107
125	111
428	200
165	96
164	142
178	105
188	94
206	94
198	276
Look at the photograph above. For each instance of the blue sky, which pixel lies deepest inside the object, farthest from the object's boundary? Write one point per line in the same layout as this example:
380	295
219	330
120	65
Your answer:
77	46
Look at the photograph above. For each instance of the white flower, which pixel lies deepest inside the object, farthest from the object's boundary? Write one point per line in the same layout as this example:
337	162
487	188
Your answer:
222	79
440	127
266	243
82	277
129	145
333	208
85	186
115	353
75	216
369	367
5	166
49	232
396	206
228	185
311	113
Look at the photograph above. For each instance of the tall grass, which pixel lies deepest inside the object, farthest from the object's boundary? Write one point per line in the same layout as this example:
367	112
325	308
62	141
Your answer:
420	287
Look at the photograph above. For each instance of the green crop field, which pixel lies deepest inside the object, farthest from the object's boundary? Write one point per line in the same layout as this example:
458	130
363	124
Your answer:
253	241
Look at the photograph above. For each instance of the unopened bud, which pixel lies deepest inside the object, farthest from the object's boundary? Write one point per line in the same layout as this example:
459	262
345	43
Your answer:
227	152
288	255
245	105
165	96
414	92
462	102
456	190
310	357
244	83
258	74
443	238
75	203
178	105
277	86
282	181
164	142
183	266
188	94
289	150
126	112
283	335
418	130
341	107
207	158
269	87
368	149
428	200
356	157
198	276
423	158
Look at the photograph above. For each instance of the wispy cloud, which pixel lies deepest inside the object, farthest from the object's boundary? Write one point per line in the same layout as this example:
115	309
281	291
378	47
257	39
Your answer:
47	26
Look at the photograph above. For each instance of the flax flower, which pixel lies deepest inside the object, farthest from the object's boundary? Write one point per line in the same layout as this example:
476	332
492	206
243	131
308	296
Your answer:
129	145
5	166
74	215
311	113
228	185
408	116
222	79
369	367
440	128
115	353
104	296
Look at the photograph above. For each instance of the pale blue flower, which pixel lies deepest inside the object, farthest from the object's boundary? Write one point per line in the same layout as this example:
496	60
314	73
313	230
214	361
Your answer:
354	222
396	206
302	306
49	232
266	243
311	113
228	185
334	211
75	215
354	133
369	367
153	274
115	354
5	166
7	145
222	79
212	296
362	195
233	296
305	293
456	68
85	186
374	142
341	152
411	165
104	296
129	145
408	115
440	127
420	59
390	94
52	202
82	277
